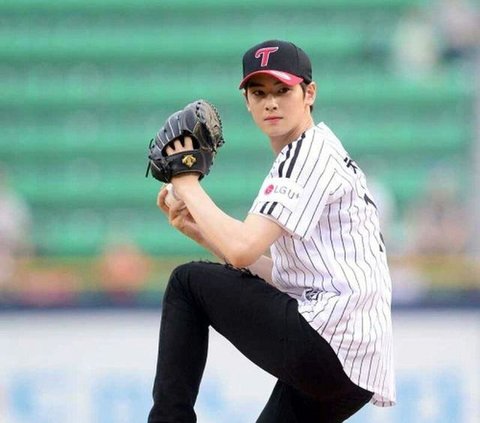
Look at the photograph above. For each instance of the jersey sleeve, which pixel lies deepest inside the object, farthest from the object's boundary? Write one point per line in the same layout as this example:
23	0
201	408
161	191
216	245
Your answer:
307	175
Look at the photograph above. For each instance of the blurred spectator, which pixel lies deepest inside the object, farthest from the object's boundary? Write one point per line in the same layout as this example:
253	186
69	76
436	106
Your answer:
447	31
436	224
436	238
15	229
46	286
415	52
123	269
458	25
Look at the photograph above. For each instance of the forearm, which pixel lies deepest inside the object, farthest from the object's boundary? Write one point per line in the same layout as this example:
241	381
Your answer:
203	241
223	234
262	267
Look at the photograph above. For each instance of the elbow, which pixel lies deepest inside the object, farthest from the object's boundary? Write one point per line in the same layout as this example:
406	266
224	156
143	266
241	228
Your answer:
242	256
239	261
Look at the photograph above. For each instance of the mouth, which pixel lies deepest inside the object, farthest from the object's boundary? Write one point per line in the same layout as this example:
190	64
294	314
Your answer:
272	118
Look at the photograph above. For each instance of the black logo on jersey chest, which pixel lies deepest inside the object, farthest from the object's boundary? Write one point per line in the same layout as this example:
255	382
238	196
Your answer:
350	163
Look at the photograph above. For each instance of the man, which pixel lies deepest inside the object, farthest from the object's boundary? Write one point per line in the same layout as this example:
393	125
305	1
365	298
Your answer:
316	315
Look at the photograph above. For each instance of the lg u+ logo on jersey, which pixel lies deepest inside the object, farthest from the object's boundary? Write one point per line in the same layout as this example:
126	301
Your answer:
264	53
281	190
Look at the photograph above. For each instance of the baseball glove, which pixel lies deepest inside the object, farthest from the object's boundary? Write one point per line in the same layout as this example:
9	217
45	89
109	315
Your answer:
199	120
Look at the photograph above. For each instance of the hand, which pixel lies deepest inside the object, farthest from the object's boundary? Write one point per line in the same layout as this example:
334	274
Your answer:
177	146
179	216
171	197
185	179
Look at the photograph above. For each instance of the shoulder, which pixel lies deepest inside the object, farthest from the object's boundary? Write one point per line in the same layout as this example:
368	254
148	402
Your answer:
330	138
311	140
320	139
316	148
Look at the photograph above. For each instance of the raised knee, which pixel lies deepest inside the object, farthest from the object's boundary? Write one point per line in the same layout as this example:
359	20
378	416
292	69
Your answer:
185	281
184	271
181	276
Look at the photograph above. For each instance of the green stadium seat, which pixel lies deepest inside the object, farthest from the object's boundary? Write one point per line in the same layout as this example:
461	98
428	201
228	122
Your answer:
377	89
86	83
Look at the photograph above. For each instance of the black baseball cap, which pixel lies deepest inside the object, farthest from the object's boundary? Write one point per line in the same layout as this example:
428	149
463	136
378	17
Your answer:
281	59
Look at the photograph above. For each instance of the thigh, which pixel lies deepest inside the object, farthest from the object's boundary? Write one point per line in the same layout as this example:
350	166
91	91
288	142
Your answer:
289	405
312	363
264	324
246	310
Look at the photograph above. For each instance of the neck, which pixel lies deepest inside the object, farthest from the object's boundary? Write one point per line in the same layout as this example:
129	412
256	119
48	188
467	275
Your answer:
278	143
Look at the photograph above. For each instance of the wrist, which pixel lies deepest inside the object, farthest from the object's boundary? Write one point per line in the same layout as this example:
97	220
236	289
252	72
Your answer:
184	183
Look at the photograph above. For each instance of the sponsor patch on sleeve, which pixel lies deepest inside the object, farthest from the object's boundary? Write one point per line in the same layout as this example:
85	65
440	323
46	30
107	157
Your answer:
281	190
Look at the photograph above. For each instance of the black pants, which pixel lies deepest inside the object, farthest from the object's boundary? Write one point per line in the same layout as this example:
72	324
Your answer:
262	323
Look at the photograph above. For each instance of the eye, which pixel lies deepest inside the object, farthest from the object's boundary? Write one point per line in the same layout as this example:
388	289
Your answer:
258	93
283	90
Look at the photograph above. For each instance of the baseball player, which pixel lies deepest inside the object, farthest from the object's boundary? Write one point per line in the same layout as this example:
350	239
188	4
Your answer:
316	312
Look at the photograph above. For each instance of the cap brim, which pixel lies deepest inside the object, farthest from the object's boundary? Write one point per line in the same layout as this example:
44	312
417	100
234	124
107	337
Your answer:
286	78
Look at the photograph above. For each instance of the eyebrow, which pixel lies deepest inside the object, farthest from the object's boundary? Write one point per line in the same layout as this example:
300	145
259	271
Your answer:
258	84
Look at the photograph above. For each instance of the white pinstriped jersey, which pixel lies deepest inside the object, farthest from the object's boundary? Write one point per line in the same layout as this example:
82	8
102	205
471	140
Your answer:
332	257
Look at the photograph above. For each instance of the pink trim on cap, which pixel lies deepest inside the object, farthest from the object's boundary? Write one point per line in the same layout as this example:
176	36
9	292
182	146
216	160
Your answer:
286	78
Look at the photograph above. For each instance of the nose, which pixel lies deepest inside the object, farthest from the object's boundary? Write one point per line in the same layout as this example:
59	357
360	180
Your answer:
271	103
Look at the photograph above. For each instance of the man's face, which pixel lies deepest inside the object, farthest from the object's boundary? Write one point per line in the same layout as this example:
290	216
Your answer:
278	109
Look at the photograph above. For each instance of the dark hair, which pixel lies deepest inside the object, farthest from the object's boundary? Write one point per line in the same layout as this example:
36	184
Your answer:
303	85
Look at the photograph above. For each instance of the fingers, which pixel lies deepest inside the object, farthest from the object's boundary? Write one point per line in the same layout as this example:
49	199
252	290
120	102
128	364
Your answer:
175	211
161	199
176	206
177	217
188	143
174	147
177	146
173	207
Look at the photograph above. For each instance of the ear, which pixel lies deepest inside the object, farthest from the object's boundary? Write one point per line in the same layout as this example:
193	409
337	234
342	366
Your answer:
246	100
311	93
